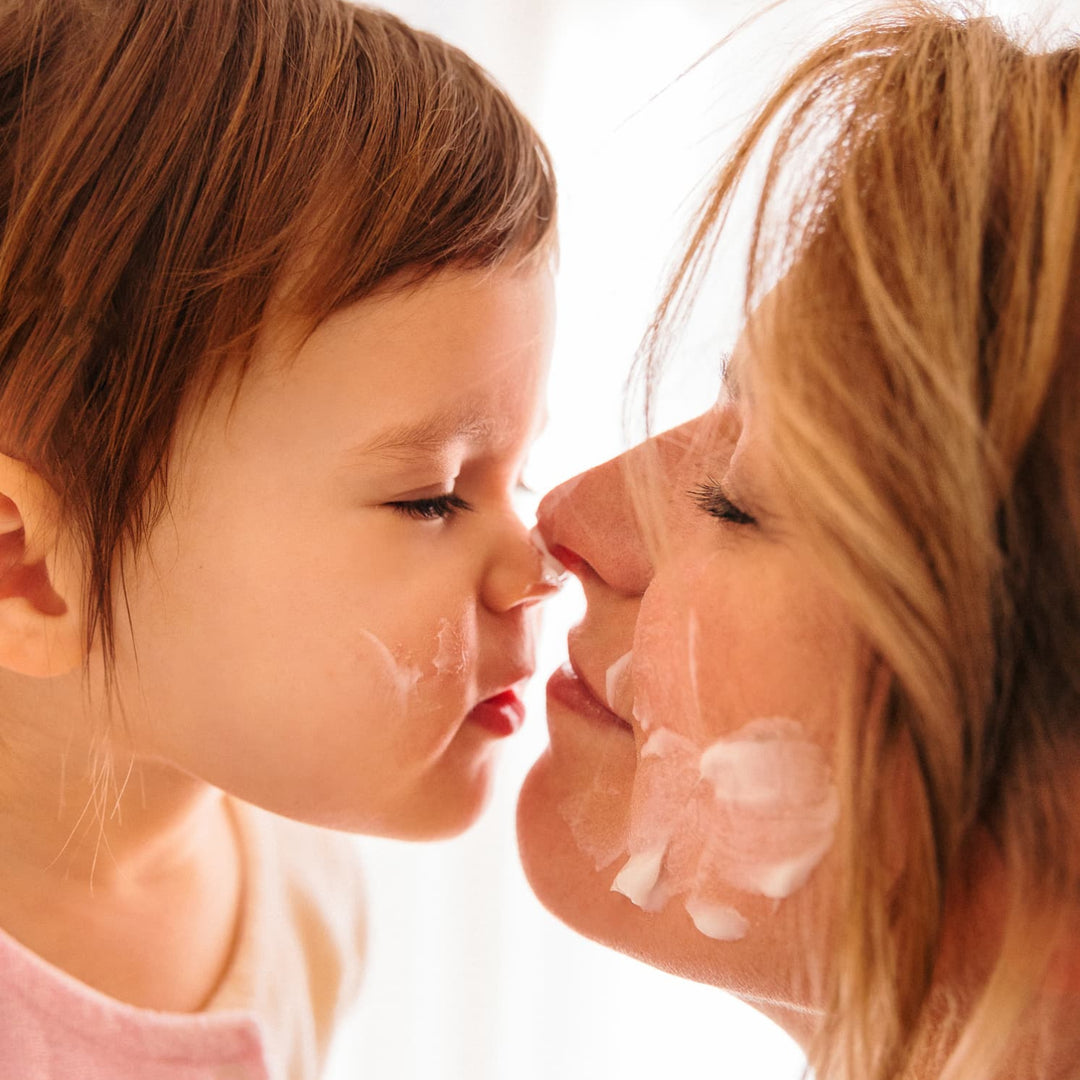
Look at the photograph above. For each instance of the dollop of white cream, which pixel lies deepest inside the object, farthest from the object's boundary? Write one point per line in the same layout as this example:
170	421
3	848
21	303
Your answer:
767	763
638	877
717	921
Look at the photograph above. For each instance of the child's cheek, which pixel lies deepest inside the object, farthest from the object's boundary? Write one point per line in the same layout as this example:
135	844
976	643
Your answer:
429	671
393	679
452	649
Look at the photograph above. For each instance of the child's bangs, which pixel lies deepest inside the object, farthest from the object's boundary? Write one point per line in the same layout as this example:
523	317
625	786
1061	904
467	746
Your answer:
450	175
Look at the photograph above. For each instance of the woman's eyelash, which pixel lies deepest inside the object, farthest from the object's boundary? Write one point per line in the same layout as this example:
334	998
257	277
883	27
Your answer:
712	498
432	508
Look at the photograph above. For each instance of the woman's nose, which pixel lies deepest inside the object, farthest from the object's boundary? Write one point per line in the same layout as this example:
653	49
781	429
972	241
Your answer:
590	523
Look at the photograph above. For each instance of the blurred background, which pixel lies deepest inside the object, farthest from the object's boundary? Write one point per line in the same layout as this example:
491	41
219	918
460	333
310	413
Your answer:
469	978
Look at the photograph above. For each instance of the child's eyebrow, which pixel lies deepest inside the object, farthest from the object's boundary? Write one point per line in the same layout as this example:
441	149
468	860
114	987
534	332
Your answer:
427	436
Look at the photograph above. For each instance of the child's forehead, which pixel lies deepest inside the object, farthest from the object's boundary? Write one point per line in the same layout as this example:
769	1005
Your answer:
451	369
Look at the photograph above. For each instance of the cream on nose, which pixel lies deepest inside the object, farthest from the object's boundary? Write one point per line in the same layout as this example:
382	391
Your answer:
552	572
527	575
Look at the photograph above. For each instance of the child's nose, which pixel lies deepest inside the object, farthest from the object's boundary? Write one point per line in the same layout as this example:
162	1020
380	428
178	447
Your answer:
591	525
522	573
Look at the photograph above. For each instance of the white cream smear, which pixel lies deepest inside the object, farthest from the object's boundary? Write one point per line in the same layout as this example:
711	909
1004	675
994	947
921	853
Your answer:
552	572
616	680
400	678
452	653
756	811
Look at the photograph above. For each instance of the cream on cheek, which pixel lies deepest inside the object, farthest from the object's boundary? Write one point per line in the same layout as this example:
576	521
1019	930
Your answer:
754	811
452	651
400	677
454	656
392	679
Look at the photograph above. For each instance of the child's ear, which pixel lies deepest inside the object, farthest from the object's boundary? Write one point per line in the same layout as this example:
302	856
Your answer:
41	602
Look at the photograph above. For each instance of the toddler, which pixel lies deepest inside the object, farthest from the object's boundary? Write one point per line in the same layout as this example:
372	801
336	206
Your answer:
275	313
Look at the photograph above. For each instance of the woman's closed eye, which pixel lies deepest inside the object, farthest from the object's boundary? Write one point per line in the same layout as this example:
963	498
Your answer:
431	507
714	500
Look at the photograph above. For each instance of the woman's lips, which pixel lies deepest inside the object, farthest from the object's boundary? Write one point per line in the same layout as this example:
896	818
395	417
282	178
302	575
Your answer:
502	714
567	689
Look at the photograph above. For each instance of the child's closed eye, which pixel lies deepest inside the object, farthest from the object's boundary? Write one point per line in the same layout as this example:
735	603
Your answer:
431	507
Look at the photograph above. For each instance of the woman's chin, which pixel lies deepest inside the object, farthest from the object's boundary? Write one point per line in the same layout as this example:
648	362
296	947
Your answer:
564	879
567	882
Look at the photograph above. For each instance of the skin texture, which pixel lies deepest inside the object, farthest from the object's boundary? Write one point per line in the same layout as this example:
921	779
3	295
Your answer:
729	622
288	636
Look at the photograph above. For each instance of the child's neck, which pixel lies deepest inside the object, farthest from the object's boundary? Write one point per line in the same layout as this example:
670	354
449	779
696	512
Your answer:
134	887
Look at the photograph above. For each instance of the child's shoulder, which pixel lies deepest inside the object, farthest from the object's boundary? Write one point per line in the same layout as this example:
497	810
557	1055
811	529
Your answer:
296	966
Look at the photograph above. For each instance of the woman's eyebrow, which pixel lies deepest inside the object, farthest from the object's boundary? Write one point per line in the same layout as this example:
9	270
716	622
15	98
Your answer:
425	437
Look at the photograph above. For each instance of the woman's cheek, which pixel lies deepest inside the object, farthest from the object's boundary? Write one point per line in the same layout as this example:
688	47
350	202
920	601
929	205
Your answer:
725	801
674	665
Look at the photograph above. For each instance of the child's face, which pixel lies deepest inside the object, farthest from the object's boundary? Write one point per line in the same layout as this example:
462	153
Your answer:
314	621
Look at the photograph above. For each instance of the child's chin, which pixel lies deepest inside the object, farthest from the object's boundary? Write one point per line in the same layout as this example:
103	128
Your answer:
437	813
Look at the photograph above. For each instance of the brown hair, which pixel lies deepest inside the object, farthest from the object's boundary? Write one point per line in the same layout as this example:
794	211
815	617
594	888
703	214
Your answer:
167	166
921	376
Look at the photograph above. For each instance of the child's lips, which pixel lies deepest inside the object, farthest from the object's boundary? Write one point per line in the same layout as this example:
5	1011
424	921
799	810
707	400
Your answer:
502	714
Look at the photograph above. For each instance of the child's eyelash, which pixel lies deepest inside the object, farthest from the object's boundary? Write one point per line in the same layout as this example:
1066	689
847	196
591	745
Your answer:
712	498
432	508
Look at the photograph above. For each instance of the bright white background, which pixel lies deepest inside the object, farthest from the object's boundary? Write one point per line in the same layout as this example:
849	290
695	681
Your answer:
469	979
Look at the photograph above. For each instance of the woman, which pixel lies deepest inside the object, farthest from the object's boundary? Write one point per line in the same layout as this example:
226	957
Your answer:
819	733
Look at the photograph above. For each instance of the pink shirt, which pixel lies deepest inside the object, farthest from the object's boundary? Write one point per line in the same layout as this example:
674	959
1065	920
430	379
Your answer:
296	967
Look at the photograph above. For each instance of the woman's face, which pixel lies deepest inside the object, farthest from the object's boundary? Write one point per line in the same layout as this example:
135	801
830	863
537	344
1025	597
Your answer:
686	809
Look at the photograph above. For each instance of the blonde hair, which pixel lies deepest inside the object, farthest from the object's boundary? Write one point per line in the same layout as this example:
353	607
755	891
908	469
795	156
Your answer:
923	392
